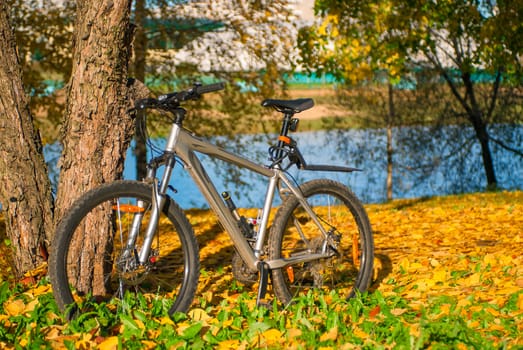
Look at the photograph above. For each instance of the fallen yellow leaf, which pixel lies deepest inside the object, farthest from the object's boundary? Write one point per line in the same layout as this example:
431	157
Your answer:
270	337
42	289
166	320
198	314
148	344
332	334
440	275
231	344
293	333
15	307
110	343
360	333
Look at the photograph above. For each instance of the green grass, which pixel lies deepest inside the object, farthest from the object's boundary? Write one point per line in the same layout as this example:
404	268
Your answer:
447	275
369	321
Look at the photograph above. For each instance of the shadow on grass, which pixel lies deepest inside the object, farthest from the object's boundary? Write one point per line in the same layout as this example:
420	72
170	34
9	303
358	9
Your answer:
381	271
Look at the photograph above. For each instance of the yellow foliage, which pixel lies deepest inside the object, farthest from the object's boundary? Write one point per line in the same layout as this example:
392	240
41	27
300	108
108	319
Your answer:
232	344
148	344
269	337
110	343
358	332
198	314
436	245
332	334
467	247
166	320
14	307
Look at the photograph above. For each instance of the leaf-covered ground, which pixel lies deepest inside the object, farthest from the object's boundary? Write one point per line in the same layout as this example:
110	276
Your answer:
448	274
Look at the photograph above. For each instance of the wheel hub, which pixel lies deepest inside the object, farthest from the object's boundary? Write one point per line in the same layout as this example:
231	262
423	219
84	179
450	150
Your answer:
131	272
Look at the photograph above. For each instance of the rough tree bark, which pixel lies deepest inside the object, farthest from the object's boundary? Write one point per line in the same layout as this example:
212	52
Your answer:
97	126
140	48
25	189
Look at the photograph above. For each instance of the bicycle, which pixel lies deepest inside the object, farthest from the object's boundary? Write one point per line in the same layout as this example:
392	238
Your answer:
131	236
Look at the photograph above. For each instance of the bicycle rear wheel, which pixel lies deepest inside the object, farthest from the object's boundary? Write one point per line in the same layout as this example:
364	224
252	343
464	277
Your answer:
294	233
94	259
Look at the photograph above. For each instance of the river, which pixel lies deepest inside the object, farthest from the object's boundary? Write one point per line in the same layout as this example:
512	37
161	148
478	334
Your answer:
427	162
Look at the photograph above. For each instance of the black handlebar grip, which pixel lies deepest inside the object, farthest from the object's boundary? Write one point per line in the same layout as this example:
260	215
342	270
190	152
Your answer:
210	88
165	97
145	103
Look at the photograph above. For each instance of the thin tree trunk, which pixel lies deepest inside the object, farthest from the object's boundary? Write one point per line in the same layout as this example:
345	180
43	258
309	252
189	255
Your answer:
486	154
25	189
480	127
391	115
97	128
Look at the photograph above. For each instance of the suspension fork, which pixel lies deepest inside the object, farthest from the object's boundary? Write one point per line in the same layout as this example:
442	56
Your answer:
158	202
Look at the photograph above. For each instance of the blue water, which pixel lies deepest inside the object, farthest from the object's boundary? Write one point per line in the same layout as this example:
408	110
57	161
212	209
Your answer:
434	165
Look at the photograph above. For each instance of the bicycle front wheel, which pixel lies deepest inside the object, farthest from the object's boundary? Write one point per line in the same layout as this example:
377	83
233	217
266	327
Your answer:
349	243
95	254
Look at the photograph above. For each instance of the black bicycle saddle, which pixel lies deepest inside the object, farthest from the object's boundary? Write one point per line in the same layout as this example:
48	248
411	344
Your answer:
289	106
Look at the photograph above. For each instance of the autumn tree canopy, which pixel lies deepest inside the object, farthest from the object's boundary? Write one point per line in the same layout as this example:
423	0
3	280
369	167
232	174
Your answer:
455	39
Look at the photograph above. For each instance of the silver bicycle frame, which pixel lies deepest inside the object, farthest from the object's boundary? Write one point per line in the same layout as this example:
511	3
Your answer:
185	145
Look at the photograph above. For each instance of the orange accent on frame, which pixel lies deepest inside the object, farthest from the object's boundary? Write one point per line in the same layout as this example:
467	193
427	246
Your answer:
128	208
290	273
285	139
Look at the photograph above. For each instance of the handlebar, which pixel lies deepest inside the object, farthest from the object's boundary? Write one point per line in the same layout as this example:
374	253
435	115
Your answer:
172	100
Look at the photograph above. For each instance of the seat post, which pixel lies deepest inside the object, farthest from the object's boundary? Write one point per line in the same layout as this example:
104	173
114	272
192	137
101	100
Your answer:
287	116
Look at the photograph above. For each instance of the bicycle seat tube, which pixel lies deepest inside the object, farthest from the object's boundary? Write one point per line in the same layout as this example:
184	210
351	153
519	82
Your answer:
269	196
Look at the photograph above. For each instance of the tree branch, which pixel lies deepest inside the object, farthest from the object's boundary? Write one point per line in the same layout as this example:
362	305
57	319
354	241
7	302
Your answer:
435	61
508	148
495	90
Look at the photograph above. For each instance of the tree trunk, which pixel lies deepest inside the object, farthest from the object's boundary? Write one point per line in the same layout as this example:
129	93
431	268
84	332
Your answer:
97	127
390	120
140	49
25	189
475	116
488	163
